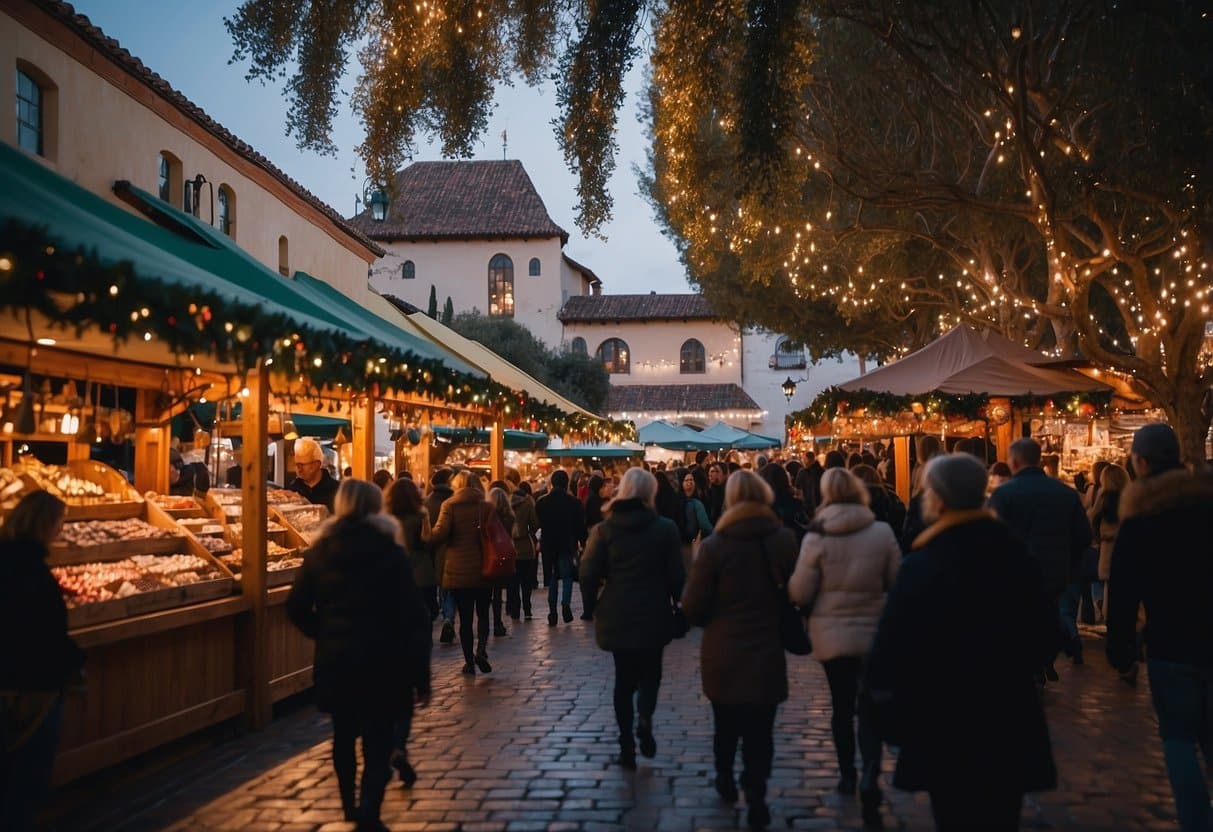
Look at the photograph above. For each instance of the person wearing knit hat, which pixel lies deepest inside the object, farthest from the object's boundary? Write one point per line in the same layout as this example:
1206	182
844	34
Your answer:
311	480
1162	561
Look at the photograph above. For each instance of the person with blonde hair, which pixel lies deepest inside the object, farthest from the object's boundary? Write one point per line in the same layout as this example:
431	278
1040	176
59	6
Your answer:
633	555
848	562
458	526
355	597
733	592
312	480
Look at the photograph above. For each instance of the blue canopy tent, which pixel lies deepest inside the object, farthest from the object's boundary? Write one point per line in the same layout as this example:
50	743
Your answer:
674	437
594	452
736	438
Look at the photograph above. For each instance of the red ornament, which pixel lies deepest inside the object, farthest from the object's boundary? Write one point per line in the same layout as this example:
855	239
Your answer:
1086	410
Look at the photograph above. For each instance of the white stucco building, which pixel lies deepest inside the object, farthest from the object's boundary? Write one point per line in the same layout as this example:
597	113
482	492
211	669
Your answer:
478	233
77	102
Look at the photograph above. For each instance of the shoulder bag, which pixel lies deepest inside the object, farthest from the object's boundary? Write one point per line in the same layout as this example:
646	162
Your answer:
498	557
792	633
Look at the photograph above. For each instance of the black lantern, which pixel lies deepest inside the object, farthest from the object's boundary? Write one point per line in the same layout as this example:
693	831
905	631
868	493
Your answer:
789	388
379	204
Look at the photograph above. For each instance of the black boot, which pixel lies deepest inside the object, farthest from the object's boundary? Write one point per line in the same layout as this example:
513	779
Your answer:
566	612
400	762
869	801
644	733
627	754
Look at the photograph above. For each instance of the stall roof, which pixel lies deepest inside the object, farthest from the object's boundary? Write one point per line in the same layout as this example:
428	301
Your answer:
514	440
76	218
736	438
305	292
478	355
595	451
675	437
967	361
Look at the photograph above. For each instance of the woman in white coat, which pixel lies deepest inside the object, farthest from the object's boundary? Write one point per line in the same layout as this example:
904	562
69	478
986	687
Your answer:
848	562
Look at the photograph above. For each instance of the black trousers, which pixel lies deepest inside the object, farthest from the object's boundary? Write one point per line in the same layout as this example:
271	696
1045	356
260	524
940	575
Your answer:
845	675
754	726
989	806
469	602
589	600
509	588
637	673
376	732
528	581
429	594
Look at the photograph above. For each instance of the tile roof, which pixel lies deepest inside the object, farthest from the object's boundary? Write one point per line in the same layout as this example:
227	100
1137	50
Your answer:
650	307
462	200
678	398
64	13
585	270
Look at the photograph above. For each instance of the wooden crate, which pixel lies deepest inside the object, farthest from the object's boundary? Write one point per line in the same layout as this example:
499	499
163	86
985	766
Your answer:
145	602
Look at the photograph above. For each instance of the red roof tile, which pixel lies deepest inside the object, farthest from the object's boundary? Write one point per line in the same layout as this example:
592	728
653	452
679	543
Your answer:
465	200
650	307
678	398
107	46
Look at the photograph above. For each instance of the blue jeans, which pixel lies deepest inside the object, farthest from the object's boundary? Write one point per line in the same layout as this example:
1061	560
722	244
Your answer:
1183	700
448	605
558	568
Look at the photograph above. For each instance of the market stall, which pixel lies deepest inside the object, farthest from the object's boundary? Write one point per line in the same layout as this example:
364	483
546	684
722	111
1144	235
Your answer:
966	384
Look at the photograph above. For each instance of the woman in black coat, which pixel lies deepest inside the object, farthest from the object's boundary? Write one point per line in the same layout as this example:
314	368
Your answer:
37	659
974	738
356	598
635	552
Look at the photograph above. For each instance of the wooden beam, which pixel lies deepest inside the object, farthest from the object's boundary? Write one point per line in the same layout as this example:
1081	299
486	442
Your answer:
497	449
901	467
254	636
362	445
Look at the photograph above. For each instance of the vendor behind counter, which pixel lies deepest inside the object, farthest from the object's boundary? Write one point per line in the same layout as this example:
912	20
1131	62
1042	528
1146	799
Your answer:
311	481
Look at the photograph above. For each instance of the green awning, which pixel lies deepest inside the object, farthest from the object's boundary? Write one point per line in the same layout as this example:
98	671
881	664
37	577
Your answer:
306	424
514	440
595	452
302	292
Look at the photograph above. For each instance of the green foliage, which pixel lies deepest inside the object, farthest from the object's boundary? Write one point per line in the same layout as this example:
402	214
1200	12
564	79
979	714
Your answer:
431	308
578	378
834	401
448	311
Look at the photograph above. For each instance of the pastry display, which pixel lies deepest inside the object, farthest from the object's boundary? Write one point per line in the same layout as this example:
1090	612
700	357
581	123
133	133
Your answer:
168	502
63	484
98	532
12	489
278	558
284	496
306	520
225	496
271	527
214	545
91	583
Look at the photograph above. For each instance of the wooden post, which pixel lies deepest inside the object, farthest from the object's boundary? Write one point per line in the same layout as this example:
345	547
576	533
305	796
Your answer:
362	459
497	448
255	635
151	446
901	467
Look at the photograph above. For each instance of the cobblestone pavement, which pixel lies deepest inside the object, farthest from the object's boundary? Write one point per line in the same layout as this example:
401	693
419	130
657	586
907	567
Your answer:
528	747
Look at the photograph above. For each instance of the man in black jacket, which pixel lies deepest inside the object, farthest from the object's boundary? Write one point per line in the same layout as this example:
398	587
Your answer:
562	532
1048	516
1163	559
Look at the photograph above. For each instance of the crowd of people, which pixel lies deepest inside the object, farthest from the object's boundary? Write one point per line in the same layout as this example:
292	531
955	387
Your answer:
988	566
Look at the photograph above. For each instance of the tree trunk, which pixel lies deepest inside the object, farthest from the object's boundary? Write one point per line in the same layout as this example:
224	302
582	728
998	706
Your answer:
1191	425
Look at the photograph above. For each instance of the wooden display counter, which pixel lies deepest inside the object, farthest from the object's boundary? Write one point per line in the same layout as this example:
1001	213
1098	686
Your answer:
290	651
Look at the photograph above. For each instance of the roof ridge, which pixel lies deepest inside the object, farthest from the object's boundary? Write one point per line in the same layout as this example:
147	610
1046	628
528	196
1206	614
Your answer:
79	23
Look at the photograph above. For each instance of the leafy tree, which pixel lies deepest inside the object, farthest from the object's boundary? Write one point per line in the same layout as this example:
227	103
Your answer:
448	311
431	308
577	377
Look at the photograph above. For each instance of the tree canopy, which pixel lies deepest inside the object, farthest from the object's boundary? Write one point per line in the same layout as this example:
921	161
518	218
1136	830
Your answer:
861	174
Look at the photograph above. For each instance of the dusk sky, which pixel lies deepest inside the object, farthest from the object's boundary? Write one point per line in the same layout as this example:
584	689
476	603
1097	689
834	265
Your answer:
190	48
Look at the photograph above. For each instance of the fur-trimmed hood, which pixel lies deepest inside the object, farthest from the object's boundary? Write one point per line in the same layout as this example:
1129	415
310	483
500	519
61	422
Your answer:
1177	488
467	495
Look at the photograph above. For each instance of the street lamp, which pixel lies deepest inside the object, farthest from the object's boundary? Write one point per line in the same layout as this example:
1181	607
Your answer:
789	388
374	195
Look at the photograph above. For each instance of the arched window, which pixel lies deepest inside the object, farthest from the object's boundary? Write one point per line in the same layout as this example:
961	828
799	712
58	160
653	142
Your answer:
691	357
37	102
284	257
614	355
169	177
501	286
226	216
578	346
788	355
408	271
533	268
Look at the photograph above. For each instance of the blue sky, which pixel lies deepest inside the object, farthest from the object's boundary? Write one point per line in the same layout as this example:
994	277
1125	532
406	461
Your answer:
187	45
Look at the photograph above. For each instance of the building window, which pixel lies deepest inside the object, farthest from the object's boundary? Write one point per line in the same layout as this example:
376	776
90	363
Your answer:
284	259
409	270
227	210
691	357
501	286
169	177
165	186
29	114
188	202
613	353
788	355
578	346
533	268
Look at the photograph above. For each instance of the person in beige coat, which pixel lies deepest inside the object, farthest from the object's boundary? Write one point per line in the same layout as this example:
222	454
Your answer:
458	527
848	562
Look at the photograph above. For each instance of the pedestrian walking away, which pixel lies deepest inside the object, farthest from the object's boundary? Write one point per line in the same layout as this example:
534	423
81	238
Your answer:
458	526
732	592
1162	560
526	523
562	533
973	737
499	500
634	555
440	492
355	597
848	562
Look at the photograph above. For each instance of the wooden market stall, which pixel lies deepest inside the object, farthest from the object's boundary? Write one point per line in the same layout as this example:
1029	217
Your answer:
977	385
